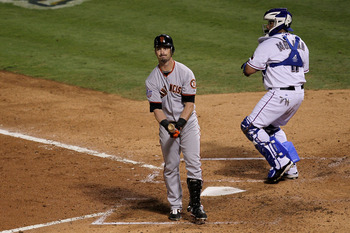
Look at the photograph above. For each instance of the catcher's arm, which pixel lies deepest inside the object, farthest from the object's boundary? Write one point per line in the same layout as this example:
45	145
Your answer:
247	69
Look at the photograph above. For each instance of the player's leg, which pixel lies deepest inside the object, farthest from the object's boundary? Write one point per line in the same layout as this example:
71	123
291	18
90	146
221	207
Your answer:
294	101
280	135
171	154
270	148
255	127
277	132
190	145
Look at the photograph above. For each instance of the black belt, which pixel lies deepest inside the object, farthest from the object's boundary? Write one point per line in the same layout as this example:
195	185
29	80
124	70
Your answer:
290	88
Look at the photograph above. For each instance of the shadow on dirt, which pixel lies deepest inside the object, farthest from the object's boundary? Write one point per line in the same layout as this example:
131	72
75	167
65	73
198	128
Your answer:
117	195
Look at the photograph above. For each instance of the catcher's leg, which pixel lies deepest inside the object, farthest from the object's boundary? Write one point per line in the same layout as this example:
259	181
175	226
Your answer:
270	148
281	139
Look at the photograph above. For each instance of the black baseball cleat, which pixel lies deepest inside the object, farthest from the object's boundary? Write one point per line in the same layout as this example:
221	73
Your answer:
275	175
175	215
198	214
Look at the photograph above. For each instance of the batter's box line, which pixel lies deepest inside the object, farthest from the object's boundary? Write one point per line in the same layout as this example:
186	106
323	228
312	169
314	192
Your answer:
101	221
27	228
78	149
253	158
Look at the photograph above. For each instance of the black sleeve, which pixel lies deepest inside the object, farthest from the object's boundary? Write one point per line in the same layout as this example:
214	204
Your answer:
154	105
188	98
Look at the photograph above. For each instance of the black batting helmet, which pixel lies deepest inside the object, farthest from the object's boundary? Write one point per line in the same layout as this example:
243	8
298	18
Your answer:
164	40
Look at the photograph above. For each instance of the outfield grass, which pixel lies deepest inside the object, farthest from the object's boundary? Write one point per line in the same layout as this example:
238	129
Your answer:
108	45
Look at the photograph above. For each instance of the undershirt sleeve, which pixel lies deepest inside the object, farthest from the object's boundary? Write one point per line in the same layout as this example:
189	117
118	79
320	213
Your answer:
188	98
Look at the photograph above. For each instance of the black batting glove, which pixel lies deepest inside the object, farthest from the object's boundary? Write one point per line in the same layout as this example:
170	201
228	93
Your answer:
180	123
165	124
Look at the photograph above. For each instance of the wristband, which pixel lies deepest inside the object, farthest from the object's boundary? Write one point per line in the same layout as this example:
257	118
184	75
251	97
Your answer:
165	123
180	123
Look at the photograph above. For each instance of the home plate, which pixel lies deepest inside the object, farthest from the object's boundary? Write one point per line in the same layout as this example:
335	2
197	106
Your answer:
220	191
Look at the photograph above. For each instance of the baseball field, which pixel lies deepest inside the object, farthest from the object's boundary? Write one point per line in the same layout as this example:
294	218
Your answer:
79	149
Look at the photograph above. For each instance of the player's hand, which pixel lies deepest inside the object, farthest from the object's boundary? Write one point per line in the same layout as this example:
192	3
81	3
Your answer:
180	123
243	68
176	134
173	131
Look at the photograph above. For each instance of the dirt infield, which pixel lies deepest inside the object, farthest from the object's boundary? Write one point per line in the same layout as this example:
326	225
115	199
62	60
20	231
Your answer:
45	186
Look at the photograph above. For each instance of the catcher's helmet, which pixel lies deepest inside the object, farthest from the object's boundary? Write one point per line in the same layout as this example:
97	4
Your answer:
282	19
164	40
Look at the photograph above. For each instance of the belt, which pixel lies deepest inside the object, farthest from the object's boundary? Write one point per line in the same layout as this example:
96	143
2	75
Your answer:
290	88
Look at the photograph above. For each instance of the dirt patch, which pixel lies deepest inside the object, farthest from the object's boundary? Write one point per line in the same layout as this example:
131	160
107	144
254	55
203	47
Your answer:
42	183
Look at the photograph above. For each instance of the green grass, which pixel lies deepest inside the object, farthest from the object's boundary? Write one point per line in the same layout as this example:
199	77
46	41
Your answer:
108	45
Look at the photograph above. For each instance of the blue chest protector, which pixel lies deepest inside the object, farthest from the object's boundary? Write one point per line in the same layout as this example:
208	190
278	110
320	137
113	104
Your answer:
294	58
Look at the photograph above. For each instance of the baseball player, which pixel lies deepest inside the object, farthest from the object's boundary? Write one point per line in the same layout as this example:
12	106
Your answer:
283	59
171	89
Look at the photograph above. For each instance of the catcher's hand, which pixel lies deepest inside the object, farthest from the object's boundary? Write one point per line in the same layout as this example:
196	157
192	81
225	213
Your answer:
173	131
243	68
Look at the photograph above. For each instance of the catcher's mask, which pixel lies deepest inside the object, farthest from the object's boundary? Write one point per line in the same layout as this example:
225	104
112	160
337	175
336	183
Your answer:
281	18
164	40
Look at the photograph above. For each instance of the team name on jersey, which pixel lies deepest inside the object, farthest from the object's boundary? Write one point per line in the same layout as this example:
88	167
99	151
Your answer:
173	88
283	45
163	92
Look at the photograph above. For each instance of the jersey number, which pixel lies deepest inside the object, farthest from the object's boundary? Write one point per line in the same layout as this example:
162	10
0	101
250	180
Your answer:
295	69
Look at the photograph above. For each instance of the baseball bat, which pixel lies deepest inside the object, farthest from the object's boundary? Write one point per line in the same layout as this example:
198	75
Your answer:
171	128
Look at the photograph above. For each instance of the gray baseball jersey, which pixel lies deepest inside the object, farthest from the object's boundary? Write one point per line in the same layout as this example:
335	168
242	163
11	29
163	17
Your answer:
168	91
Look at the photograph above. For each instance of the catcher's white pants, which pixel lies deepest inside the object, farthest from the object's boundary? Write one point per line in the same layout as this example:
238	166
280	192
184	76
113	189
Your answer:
276	108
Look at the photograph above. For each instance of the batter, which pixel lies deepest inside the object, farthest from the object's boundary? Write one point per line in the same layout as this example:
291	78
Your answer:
171	90
283	59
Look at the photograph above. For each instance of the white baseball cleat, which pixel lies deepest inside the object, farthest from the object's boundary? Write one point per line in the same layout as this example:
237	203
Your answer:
275	175
292	173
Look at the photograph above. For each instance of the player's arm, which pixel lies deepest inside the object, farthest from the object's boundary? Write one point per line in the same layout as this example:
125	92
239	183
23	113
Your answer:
157	110
186	113
163	121
188	101
247	69
159	115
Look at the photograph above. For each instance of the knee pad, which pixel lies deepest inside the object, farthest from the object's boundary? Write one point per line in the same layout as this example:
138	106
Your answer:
249	129
272	149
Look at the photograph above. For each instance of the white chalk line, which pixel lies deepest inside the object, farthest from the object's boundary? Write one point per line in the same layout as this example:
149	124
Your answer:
101	221
77	149
53	223
261	158
160	223
228	159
